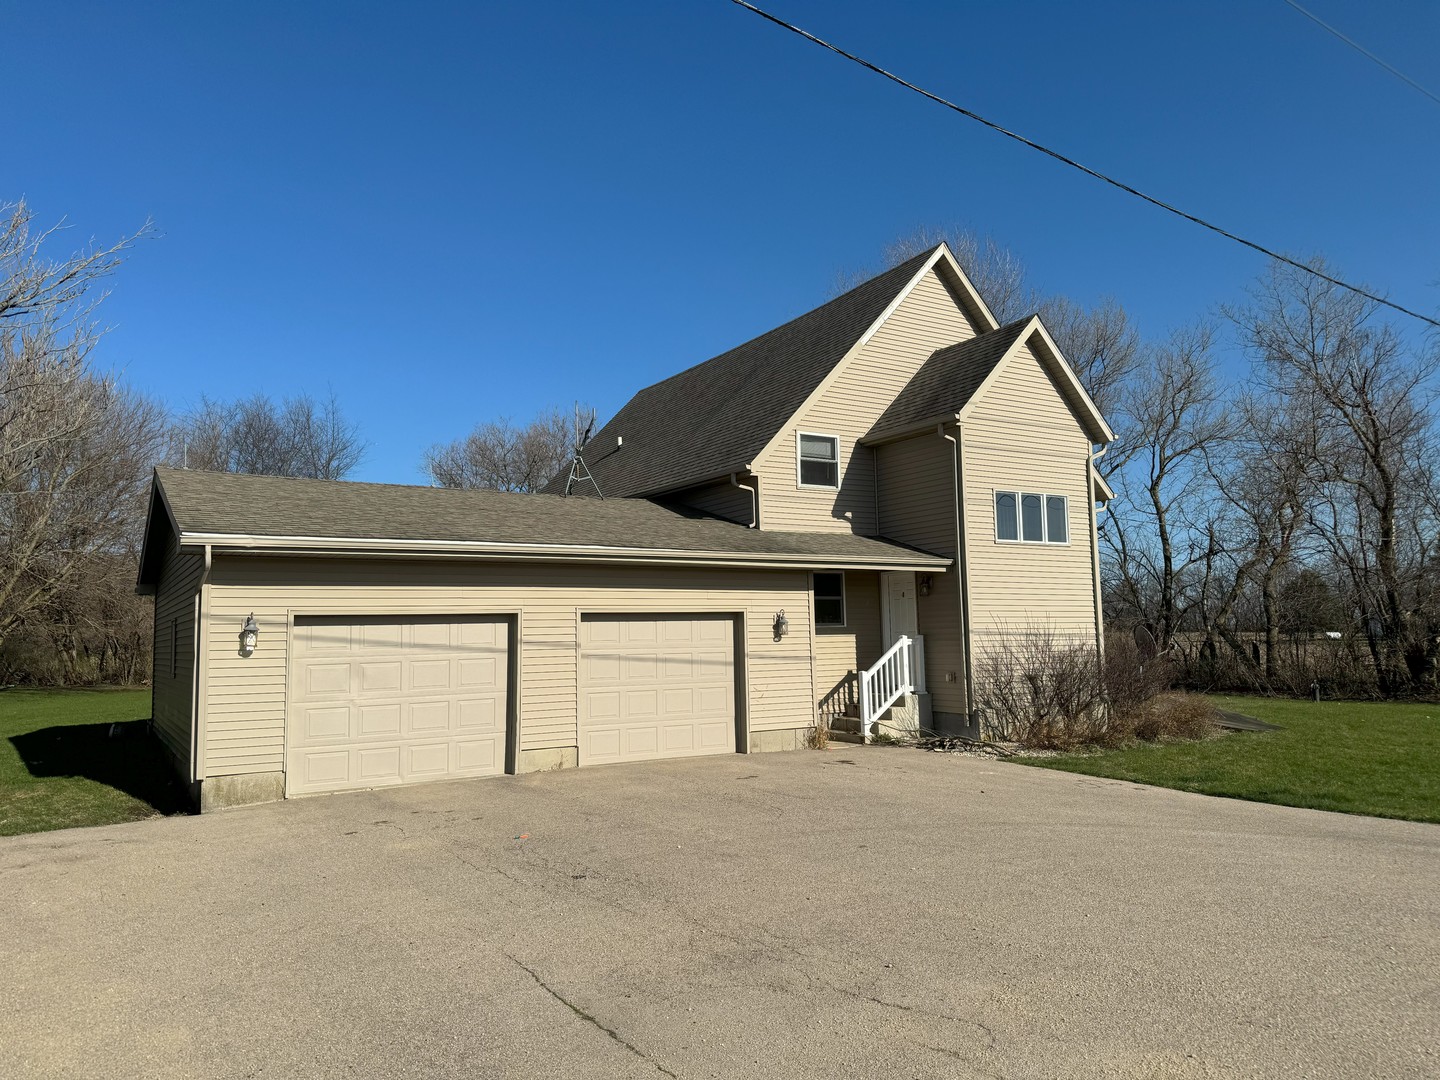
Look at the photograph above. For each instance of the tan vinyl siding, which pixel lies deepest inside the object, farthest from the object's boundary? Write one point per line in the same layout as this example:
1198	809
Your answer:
245	721
1023	437
723	500
839	651
929	318
173	695
917	507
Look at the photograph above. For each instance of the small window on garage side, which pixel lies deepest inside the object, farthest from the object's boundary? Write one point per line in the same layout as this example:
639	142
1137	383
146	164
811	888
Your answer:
1007	526
829	599
819	461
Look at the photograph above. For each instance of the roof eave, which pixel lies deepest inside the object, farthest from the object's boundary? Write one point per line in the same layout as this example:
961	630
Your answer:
906	431
225	543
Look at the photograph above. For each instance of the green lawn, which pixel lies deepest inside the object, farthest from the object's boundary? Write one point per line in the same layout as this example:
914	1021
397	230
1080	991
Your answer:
1375	758
61	766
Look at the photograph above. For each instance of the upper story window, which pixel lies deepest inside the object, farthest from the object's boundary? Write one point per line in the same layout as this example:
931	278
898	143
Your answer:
1031	518
819	460
829	598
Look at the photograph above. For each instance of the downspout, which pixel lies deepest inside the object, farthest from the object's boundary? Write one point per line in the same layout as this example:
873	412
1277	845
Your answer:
754	490
1090	473
198	696
962	575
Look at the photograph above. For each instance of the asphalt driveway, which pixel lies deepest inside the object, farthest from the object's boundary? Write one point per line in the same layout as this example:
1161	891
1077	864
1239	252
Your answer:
859	912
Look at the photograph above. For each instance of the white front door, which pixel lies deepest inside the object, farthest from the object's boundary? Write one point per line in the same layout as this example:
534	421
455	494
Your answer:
901	616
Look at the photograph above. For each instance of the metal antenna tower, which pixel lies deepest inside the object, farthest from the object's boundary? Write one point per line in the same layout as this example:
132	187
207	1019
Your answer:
579	471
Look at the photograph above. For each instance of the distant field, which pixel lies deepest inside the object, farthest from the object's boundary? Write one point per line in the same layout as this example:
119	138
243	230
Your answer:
60	766
1376	758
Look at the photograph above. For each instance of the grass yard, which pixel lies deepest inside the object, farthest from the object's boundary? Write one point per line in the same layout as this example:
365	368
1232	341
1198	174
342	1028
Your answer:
1376	758
60	765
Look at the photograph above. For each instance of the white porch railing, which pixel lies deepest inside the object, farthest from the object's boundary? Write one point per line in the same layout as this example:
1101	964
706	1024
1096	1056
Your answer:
883	683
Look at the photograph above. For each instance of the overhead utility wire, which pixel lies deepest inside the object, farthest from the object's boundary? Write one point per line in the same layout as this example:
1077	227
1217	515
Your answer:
1087	170
1364	51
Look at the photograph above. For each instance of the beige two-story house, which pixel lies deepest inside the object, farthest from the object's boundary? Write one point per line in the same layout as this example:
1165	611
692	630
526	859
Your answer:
826	525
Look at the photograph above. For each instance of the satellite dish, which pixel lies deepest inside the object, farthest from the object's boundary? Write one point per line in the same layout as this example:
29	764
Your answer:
1145	642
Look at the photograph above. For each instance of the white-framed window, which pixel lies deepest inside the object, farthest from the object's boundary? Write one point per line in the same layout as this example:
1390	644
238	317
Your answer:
1028	517
829	590
817	460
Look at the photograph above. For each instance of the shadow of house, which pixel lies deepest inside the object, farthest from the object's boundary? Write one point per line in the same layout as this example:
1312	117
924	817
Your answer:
123	756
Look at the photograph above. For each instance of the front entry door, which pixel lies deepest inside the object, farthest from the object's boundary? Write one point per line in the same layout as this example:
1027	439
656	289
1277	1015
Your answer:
901	616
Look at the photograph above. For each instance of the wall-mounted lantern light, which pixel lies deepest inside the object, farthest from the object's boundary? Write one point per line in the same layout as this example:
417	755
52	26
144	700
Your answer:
249	635
924	584
782	624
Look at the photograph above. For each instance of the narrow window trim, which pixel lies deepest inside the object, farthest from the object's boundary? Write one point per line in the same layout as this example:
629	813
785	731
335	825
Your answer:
799	459
1019	494
844	601
174	648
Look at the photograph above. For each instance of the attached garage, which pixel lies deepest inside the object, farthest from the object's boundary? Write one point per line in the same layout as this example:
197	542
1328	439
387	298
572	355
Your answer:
656	686
379	700
406	634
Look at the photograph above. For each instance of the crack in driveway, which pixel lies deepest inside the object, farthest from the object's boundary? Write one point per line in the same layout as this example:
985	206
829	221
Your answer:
588	1018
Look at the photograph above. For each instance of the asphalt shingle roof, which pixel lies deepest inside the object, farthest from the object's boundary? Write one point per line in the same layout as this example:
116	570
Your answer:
947	380
718	416
231	504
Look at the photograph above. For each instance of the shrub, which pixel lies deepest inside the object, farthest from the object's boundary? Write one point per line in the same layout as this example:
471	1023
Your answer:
1166	716
1038	690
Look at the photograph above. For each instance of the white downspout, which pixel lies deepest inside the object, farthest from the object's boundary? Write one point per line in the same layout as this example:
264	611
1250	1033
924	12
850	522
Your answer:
754	490
962	569
197	686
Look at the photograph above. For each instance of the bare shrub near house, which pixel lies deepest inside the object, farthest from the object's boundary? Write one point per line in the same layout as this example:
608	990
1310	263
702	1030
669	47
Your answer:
1035	688
1039	690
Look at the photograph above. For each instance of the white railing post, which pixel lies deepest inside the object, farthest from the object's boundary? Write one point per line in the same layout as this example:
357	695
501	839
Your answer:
884	681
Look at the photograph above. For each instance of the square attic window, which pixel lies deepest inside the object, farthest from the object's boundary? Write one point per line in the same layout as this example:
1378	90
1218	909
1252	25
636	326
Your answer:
819	461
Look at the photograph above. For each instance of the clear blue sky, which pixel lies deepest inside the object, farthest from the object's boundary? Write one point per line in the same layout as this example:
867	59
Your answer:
449	213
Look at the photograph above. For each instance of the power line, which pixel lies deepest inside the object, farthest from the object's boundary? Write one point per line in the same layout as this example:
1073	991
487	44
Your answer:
1363	51
1086	169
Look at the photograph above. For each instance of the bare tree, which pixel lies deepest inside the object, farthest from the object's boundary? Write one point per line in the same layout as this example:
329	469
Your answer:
499	455
296	437
1159	535
1372	448
75	447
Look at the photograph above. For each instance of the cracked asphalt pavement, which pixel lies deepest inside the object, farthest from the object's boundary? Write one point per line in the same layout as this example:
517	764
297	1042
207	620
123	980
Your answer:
867	912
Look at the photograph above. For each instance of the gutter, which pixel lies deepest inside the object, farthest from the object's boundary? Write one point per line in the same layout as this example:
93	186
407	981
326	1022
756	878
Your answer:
366	546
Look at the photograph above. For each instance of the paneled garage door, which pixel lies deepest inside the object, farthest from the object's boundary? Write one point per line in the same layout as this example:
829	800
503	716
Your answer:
656	686
378	701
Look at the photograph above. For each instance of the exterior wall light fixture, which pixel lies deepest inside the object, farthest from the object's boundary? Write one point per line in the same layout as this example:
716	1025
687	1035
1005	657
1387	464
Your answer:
782	624
249	635
924	584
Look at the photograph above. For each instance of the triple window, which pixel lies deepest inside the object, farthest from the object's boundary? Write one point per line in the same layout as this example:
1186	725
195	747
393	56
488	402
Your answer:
819	460
1029	518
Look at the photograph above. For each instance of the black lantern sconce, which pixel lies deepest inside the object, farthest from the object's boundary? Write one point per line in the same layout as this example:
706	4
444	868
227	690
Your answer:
924	585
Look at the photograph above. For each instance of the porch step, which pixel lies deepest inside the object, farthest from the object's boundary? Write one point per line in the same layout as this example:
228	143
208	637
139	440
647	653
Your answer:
846	737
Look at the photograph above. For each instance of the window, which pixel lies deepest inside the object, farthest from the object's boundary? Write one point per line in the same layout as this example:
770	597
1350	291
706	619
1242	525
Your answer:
1032	518
1006	527
829	599
1057	525
819	461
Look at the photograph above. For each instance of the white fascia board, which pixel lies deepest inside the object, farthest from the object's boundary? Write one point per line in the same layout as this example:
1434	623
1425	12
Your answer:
357	546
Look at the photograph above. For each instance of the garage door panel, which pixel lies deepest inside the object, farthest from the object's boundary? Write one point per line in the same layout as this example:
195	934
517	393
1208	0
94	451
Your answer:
656	687
379	720
379	701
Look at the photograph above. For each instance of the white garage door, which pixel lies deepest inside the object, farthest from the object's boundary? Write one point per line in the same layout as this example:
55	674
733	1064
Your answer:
656	686
377	701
